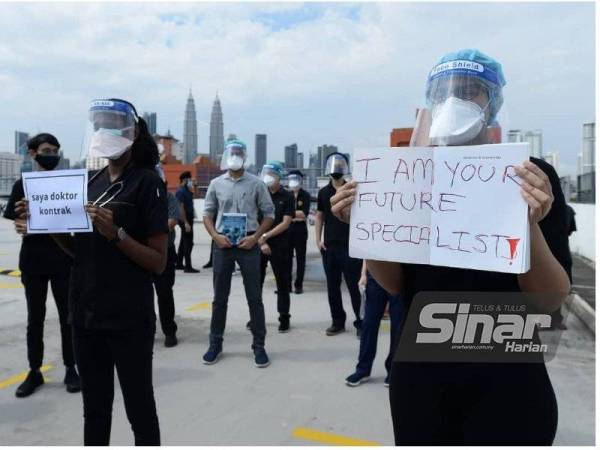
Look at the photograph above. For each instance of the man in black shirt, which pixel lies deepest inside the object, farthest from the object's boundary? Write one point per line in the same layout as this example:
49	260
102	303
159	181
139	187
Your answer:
298	228
274	244
42	261
334	249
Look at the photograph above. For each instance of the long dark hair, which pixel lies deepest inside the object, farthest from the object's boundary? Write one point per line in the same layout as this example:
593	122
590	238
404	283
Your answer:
144	151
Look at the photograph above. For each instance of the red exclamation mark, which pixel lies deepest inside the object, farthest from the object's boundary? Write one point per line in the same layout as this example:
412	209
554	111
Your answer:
513	242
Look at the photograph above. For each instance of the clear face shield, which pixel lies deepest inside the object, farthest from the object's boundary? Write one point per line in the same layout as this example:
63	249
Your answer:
234	157
461	105
336	166
270	175
294	182
110	129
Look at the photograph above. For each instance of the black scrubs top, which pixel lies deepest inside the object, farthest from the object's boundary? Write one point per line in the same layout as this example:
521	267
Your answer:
108	290
422	277
302	203
335	230
284	206
554	227
39	254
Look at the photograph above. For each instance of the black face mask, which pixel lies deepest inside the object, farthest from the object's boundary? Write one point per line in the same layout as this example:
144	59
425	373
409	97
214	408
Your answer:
48	162
336	176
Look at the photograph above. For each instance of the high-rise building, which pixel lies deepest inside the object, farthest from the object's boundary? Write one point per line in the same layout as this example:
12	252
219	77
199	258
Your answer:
260	151
231	137
190	131
92	163
514	136
216	140
10	171
535	140
586	179
291	156
150	118
21	139
300	161
552	158
588	145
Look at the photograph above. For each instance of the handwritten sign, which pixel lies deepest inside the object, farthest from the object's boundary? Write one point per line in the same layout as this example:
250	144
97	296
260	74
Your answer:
56	201
444	206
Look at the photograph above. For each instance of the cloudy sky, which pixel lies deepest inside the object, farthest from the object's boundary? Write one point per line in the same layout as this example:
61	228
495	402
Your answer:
317	73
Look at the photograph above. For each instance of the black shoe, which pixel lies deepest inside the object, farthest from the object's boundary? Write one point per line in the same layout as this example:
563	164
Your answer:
72	380
284	324
249	325
32	382
208	265
334	329
191	270
170	340
298	291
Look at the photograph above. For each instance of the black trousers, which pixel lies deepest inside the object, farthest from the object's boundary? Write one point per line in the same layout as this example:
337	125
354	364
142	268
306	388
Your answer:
186	244
472	404
280	263
98	352
298	238
224	261
163	284
36	291
337	262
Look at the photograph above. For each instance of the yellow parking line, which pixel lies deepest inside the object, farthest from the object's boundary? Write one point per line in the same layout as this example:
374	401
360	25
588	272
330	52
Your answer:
21	377
322	437
10	272
385	327
198	307
10	285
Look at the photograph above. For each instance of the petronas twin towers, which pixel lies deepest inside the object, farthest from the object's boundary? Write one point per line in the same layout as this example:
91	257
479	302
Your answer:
190	132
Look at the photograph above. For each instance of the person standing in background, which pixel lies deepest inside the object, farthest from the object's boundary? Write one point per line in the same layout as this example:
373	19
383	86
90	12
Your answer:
274	244
186	243
298	229
334	248
163	283
42	261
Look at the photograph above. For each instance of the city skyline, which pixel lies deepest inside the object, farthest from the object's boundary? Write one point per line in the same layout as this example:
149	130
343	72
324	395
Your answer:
350	89
190	131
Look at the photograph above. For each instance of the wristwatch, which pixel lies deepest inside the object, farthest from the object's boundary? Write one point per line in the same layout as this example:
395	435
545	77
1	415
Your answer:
121	235
264	237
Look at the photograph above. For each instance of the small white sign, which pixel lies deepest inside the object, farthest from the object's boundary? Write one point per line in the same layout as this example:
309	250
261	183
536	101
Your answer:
57	201
444	206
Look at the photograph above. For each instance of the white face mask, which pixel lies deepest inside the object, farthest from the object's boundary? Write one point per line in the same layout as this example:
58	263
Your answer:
235	162
294	185
456	122
269	180
190	184
106	143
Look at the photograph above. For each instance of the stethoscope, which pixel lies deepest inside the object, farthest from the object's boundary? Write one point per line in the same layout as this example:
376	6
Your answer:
111	191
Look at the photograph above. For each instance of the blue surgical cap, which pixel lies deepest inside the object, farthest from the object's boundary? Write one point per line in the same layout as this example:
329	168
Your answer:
472	62
275	166
235	143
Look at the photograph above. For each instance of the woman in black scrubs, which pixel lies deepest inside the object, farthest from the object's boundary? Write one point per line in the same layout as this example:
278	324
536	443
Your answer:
438	403
111	296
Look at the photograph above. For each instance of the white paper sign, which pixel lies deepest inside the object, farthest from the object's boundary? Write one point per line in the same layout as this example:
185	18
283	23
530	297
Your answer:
444	206
57	201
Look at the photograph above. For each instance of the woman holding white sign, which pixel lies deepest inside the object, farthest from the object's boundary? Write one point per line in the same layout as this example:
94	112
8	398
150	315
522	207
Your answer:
111	296
441	403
